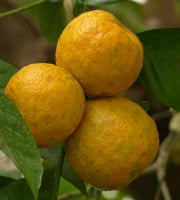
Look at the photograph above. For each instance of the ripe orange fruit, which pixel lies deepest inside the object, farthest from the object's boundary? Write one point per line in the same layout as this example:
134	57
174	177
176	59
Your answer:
50	100
102	54
114	143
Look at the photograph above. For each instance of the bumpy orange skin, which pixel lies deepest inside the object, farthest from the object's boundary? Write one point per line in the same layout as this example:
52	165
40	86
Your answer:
50	100
104	55
114	143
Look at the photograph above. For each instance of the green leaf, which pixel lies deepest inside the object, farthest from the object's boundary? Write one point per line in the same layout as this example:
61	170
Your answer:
161	70
16	190
52	154
5	181
144	104
6	71
46	190
70	175
79	8
52	19
16	141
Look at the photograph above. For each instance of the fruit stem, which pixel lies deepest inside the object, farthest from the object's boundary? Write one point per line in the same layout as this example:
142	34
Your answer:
21	9
97	194
94	193
58	174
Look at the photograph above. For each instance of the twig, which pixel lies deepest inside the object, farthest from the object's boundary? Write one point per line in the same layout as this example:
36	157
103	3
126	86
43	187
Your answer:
97	194
161	115
69	9
160	166
163	157
165	190
158	193
21	9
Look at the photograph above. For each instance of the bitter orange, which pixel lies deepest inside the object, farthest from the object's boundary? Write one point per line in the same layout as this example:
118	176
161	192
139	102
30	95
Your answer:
102	54
114	143
50	100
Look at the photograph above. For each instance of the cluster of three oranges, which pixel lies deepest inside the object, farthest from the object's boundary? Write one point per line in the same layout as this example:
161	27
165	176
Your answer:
109	140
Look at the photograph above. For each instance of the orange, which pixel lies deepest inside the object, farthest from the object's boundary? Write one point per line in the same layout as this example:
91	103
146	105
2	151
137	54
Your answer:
50	100
114	143
102	54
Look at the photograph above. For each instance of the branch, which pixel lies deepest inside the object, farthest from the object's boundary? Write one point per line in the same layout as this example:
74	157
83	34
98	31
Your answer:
21	9
165	150
163	157
161	115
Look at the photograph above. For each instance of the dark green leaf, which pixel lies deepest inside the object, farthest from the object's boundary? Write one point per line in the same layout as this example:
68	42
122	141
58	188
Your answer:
70	175
58	172
52	19
6	71
144	104
161	71
45	192
16	190
16	140
5	181
52	154
79	8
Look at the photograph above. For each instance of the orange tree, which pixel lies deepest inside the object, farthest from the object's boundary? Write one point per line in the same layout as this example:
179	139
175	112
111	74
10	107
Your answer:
41	168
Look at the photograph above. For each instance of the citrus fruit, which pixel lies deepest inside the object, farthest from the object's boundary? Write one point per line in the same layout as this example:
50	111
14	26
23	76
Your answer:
50	100
102	54
114	143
